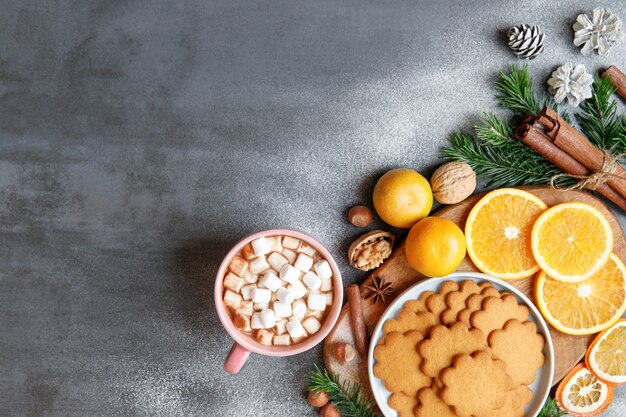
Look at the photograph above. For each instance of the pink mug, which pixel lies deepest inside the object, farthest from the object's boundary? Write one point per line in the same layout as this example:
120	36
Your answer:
245	344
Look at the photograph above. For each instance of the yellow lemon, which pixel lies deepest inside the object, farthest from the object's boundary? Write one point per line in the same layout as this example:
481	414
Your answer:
402	197
435	246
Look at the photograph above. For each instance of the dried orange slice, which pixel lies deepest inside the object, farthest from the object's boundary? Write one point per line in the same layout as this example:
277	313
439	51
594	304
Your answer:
584	307
581	394
606	357
571	241
498	233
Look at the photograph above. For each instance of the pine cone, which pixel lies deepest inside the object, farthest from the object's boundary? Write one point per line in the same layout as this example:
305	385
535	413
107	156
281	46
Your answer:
573	83
526	41
599	32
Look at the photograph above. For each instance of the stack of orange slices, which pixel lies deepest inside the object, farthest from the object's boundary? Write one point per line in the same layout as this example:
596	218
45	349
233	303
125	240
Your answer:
580	286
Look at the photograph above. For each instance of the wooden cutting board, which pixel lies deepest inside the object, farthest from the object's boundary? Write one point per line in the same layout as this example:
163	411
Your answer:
568	349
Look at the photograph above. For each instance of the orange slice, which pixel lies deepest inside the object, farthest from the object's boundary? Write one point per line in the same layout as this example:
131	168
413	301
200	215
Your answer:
606	357
581	394
584	307
571	241
498	233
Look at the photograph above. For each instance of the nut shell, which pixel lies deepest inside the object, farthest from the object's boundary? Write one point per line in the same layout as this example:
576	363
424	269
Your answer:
360	216
453	182
370	250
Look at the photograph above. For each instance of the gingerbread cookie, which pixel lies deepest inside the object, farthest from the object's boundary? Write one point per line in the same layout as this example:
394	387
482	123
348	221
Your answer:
497	311
520	347
431	405
418	305
436	303
445	343
474	303
408	320
475	385
455	301
399	364
403	404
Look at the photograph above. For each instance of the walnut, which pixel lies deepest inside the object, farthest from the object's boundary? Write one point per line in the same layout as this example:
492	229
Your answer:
453	182
370	250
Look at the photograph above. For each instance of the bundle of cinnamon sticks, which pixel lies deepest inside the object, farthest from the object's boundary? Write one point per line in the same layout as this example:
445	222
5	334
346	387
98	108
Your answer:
561	144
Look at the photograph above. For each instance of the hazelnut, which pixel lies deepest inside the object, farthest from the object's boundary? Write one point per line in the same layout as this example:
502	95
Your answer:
329	410
317	398
360	216
344	352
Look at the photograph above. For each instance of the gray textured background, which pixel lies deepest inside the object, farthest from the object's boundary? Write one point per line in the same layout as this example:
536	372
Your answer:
140	139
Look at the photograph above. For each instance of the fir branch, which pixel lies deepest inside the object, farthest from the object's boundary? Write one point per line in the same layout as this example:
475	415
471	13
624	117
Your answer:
517	92
550	409
350	399
599	120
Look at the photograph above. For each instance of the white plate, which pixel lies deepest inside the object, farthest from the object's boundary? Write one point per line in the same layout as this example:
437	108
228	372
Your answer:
540	387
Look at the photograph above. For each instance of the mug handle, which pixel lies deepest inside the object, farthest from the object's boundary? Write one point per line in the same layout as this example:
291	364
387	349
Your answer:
236	358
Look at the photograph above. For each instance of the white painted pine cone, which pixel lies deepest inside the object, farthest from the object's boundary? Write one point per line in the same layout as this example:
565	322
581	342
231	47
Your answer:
526	41
570	82
599	32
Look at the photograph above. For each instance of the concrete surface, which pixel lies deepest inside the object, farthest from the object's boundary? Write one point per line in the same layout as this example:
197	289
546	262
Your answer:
140	139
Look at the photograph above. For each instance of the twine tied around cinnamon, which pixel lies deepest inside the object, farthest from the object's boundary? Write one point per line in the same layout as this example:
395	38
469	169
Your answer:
595	179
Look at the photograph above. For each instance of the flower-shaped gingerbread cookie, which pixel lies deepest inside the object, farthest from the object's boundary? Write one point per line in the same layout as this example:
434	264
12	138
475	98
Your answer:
436	303
445	343
403	404
399	364
431	405
515	341
408	320
476	385
497	311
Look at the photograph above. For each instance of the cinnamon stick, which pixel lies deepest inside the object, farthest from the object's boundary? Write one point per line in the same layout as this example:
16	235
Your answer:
618	79
577	146
534	138
359	332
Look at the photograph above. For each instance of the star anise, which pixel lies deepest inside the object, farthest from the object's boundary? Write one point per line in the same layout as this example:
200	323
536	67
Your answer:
378	290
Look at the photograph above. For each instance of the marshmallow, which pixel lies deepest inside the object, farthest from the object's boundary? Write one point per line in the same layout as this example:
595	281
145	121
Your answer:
275	245
242	322
282	340
311	325
327	284
232	299
316	302
299	290
233	282
323	270
312	280
260	306
268	318
249	277
304	262
306	249
280	327
295	329
261	295
281	309
259	265
285	295
238	265
277	261
290	242
255	322
289	273
245	308
248	252
329	298
290	255
264	337
298	309
261	246
271	281
248	291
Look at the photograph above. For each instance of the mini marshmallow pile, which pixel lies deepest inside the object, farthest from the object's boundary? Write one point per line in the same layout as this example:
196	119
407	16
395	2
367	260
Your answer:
277	289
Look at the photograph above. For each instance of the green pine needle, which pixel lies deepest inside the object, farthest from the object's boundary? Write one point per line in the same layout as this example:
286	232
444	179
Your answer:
517	92
350	399
599	120
550	409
